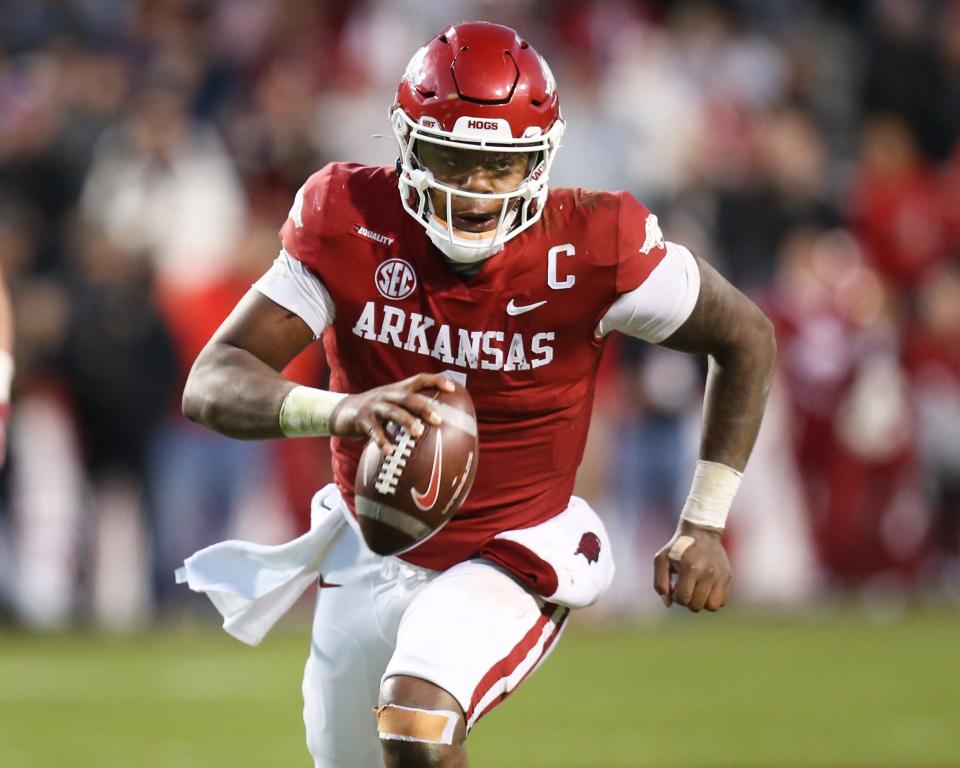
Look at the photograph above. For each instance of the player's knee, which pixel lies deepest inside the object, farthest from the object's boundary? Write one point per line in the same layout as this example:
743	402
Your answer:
420	725
411	754
412	737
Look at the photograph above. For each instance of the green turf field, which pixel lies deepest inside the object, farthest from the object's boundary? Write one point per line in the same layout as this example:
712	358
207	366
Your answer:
698	691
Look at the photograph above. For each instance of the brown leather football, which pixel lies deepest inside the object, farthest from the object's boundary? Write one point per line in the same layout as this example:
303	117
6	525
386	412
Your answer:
403	498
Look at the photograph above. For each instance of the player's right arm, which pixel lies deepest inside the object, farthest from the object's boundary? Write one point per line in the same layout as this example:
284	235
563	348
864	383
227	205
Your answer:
236	386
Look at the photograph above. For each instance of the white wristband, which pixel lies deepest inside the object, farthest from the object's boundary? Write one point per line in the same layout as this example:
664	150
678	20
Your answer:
6	375
711	494
306	411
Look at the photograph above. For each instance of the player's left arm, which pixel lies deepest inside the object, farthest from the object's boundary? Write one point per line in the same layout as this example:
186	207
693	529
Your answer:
740	342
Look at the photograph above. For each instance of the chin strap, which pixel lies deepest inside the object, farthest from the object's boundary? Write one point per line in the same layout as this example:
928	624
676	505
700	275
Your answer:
462	253
419	179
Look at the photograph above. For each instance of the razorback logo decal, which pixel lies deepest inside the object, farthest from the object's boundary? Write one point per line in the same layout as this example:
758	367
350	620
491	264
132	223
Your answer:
653	236
589	547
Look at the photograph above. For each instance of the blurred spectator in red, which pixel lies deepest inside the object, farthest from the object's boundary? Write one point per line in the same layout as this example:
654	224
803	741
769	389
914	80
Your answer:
855	444
950	192
932	358
895	204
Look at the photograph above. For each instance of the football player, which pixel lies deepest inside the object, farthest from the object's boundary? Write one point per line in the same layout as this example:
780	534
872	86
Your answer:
459	261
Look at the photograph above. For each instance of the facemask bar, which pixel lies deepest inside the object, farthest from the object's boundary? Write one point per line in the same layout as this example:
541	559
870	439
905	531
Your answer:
531	194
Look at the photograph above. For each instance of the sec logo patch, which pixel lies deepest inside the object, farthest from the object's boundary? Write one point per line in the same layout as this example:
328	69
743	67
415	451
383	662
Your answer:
395	279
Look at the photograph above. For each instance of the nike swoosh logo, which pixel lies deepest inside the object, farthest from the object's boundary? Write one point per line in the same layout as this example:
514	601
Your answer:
326	584
514	309
428	498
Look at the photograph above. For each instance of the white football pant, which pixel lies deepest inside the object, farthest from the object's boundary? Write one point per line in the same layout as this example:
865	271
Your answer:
471	630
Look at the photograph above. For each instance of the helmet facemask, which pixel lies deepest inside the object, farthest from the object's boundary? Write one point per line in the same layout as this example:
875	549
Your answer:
519	208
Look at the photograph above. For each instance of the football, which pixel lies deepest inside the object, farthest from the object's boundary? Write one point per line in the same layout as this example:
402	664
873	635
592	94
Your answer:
404	497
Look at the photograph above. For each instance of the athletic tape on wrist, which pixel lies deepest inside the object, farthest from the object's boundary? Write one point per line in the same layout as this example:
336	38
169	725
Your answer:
681	545
306	411
711	494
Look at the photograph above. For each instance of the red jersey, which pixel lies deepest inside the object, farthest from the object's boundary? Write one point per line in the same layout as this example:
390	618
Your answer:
521	331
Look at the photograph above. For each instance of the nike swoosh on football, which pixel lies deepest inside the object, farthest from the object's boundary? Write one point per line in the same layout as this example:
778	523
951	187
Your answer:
428	498
518	309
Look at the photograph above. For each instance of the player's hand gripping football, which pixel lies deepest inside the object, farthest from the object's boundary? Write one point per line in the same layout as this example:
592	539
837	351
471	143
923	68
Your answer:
692	569
367	413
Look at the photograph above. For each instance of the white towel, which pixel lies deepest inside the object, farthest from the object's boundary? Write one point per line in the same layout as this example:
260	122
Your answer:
253	585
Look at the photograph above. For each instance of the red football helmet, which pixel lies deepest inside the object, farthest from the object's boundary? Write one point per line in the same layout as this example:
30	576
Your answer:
477	86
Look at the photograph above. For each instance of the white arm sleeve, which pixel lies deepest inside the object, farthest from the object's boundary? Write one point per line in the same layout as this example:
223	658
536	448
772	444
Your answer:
662	303
294	287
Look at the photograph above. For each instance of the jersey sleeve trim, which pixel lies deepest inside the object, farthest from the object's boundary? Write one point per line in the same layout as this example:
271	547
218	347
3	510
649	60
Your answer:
290	284
656	308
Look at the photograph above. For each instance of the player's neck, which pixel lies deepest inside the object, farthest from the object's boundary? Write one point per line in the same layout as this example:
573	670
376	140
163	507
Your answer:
465	271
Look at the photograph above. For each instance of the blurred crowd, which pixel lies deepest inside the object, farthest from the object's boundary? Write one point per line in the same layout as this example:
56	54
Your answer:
150	150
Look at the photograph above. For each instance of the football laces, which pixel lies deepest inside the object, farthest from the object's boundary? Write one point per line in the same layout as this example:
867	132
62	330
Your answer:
392	468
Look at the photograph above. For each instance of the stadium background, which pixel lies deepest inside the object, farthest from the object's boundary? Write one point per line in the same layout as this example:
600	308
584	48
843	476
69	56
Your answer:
150	150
